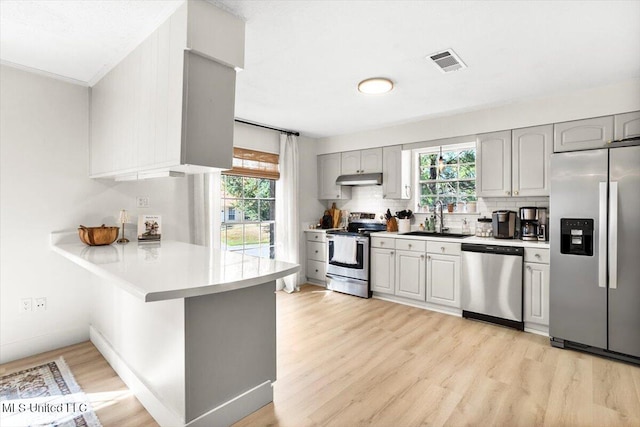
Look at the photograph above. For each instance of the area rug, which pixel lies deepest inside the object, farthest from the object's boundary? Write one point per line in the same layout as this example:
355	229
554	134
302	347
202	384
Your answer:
45	395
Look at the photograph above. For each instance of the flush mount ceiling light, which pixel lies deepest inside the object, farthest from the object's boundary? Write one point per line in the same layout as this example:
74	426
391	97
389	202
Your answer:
375	86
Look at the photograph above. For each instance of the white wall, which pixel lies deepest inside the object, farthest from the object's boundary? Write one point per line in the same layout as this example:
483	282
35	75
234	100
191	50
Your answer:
44	186
616	98
256	138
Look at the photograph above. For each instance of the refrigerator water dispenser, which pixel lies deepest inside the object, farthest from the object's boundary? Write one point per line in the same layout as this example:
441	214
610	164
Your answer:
576	236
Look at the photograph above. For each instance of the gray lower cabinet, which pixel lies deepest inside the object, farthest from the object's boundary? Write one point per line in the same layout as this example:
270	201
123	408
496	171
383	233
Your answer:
410	274
383	270
536	287
583	134
316	261
443	279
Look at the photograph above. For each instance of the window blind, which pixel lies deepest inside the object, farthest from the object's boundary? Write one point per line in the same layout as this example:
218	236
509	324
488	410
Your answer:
255	164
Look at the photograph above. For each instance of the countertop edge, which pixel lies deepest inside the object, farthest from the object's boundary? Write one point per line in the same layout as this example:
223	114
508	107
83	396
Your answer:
470	239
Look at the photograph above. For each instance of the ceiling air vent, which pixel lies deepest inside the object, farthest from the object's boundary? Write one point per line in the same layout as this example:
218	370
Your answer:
447	61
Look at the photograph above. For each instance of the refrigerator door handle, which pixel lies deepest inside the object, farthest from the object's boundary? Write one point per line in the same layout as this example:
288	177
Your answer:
613	235
602	237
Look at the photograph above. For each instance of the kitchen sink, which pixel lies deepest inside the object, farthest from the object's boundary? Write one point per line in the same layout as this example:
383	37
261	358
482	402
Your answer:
433	234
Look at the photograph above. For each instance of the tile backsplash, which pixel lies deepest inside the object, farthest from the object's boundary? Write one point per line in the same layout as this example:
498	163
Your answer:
369	199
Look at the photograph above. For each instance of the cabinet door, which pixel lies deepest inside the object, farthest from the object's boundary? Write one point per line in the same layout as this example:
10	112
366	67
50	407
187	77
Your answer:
383	270
410	275
443	280
396	173
627	125
317	251
371	160
536	293
531	155
328	172
350	163
316	270
493	164
582	134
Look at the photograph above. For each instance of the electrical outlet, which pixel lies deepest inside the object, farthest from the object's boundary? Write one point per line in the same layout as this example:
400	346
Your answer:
40	304
142	201
26	305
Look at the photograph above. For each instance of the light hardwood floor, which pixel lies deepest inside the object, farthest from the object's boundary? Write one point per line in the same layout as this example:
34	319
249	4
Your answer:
347	361
112	401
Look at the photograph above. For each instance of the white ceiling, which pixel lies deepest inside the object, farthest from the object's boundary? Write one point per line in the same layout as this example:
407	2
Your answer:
305	58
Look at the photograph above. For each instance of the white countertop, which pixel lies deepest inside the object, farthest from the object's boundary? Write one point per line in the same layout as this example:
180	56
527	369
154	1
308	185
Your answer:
471	239
320	230
169	270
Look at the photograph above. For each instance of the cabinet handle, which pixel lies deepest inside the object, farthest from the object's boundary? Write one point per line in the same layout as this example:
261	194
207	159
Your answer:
316	237
515	192
428	257
409	245
391	252
529	267
337	196
442	248
316	270
507	192
381	243
422	256
537	256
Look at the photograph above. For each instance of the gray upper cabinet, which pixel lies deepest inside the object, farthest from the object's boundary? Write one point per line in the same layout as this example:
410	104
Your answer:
582	134
329	169
493	164
396	173
531	155
627	125
362	161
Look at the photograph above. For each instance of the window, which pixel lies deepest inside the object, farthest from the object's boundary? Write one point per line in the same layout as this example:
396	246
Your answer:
248	204
454	182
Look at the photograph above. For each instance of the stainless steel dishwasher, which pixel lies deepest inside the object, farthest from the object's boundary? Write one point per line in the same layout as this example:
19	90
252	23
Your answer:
492	284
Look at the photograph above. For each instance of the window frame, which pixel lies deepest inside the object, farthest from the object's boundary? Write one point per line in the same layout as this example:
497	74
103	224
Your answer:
458	147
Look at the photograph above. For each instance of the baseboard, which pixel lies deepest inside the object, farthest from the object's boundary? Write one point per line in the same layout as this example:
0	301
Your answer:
163	415
236	408
423	305
40	344
534	330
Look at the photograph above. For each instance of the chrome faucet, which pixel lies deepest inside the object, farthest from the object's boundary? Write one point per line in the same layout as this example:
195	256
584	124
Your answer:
441	225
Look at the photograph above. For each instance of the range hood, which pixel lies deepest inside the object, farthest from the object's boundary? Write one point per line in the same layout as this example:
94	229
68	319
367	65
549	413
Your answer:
360	179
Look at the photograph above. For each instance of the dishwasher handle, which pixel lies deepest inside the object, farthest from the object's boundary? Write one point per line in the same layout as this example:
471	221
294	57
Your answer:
493	249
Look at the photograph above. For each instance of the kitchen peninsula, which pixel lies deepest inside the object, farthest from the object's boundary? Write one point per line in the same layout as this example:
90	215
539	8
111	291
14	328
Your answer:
191	330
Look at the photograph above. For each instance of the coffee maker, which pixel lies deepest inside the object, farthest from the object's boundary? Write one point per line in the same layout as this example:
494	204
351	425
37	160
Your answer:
533	223
504	224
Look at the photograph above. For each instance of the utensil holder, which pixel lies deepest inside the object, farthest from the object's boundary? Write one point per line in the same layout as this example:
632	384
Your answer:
404	226
392	225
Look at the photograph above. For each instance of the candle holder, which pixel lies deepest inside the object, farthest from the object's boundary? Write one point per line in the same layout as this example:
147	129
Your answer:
124	217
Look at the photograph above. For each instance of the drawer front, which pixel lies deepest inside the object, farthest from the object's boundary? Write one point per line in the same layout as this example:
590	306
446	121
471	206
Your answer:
383	242
317	251
411	245
316	270
444	248
536	255
314	236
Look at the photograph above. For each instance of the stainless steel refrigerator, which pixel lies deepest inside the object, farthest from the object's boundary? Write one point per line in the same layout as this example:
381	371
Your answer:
594	292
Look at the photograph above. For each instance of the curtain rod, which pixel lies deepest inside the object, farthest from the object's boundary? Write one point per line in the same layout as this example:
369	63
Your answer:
290	132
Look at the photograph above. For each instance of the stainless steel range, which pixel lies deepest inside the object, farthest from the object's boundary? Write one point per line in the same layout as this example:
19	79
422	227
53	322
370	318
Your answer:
348	255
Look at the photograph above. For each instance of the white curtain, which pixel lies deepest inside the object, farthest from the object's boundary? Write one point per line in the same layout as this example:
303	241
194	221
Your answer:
287	232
